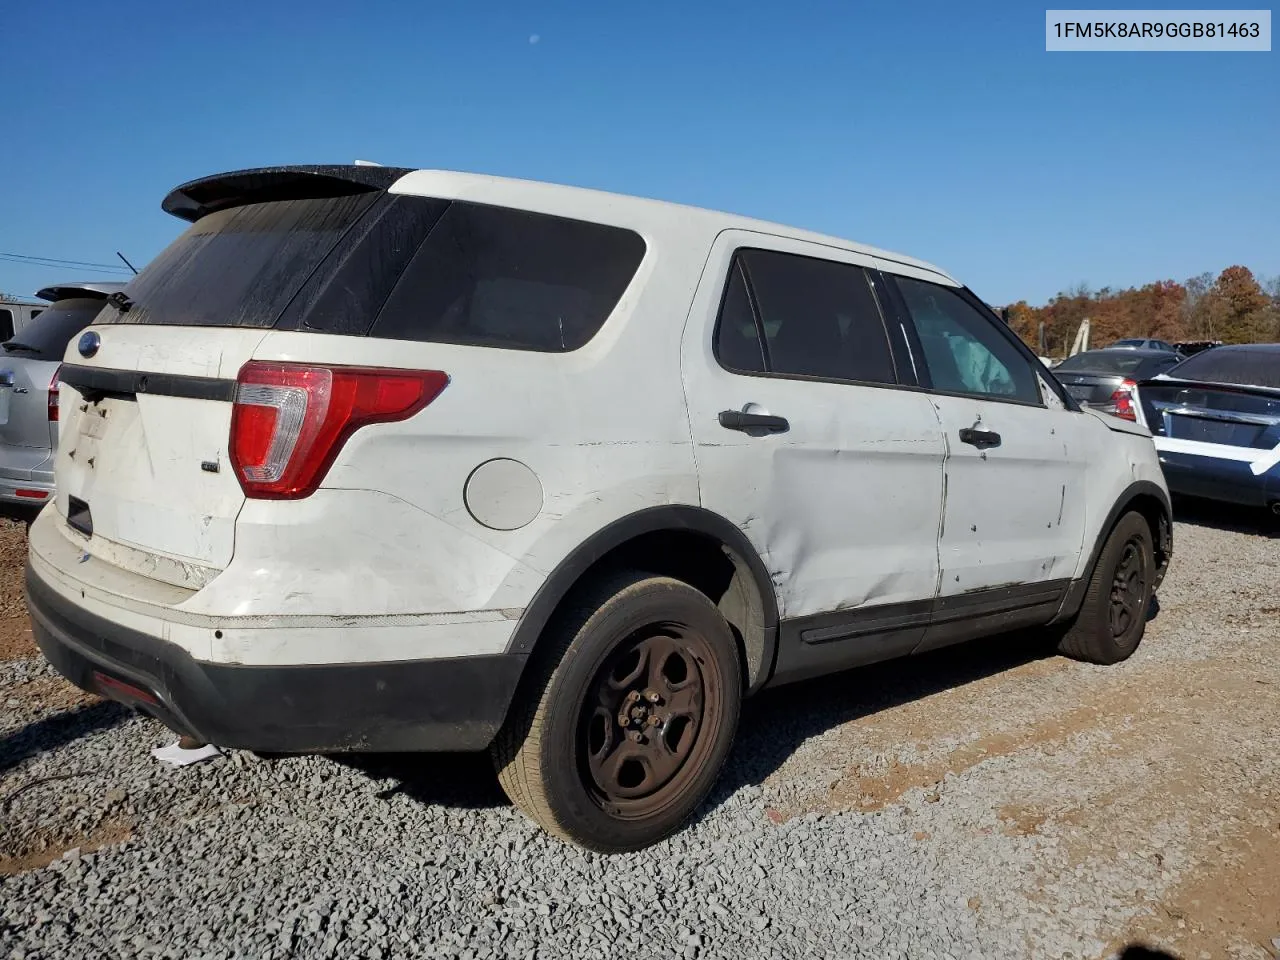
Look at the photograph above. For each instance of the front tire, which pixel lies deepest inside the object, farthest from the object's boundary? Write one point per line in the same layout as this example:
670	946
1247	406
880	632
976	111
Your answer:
1113	617
627	715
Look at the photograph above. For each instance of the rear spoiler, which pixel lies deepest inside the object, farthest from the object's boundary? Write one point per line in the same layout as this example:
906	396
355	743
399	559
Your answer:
222	191
66	291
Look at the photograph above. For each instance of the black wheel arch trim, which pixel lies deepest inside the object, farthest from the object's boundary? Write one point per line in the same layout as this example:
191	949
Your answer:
1162	537
676	518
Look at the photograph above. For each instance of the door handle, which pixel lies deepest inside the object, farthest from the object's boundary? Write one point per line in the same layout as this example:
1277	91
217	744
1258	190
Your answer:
737	420
979	438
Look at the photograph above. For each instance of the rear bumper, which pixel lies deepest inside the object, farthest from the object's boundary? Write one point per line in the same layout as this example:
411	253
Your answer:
1212	478
444	704
36	487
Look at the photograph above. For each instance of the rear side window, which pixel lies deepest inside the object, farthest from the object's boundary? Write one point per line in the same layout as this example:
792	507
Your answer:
1236	365
47	338
818	318
239	267
6	324
494	276
964	351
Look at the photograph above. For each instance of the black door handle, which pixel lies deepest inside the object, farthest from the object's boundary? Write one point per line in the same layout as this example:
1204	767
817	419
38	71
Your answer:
979	438
737	420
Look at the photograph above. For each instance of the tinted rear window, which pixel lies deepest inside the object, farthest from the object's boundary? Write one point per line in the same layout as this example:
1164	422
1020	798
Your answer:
1105	362
239	267
47	337
1256	367
493	276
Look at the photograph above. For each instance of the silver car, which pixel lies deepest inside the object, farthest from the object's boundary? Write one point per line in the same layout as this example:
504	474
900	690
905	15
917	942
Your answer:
29	363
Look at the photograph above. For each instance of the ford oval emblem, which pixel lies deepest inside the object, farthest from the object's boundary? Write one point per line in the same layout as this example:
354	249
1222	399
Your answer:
89	343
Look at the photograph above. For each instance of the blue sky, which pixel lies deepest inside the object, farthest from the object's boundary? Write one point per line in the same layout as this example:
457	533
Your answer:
942	130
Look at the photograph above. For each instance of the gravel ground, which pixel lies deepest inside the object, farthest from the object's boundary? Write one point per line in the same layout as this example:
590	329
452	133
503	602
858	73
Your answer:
986	801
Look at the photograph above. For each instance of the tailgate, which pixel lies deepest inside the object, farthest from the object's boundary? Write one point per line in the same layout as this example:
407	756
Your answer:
24	401
142	457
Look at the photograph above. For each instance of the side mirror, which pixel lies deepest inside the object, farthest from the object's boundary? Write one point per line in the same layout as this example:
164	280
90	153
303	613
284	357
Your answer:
1004	315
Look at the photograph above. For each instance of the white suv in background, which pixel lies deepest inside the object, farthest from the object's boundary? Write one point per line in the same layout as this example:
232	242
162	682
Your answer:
382	459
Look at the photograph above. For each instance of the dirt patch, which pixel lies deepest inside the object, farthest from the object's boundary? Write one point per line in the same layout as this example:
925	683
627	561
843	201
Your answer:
109	833
1225	908
16	642
874	792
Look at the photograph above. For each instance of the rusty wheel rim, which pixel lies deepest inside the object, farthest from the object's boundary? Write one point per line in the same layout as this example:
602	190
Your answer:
641	730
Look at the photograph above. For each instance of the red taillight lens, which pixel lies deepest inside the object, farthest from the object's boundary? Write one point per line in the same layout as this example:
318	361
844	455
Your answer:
53	396
290	420
1122	401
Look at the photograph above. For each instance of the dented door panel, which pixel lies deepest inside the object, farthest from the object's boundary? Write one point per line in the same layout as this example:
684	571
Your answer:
1014	513
844	505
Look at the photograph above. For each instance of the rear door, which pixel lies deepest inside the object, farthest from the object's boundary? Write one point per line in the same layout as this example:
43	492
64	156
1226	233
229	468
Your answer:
1014	515
805	439
142	463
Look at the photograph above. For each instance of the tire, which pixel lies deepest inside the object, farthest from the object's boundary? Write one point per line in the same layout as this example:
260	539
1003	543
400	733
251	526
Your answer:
564	757
1113	617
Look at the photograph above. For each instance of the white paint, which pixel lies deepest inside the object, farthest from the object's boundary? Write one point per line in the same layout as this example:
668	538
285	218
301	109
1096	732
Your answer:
1260	461
137	464
843	507
503	494
1014	513
408	552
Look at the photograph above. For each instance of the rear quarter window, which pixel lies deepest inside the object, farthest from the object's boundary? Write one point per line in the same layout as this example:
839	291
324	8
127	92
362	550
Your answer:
497	277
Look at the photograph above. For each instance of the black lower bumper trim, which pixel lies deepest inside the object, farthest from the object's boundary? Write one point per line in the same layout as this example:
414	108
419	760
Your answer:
407	705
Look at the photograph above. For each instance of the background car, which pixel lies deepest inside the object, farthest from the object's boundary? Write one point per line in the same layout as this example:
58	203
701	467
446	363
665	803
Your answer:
1215	419
1142	343
1105	379
29	389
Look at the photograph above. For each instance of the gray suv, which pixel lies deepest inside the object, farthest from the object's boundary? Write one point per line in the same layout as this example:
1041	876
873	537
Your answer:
29	363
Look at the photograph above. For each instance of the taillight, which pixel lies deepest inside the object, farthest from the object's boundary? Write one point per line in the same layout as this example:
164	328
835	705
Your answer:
290	420
53	396
1122	401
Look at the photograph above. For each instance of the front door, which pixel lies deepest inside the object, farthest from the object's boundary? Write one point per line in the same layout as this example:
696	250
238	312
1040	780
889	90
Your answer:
1013	521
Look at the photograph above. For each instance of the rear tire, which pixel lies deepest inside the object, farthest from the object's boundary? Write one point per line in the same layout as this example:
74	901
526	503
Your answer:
626	716
1113	617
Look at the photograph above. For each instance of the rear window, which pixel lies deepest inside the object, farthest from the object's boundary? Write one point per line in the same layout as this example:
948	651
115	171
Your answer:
1101	362
493	276
1246	367
239	267
47	337
411	268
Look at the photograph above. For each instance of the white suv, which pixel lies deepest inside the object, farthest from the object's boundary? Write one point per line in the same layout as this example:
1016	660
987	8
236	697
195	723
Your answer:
381	459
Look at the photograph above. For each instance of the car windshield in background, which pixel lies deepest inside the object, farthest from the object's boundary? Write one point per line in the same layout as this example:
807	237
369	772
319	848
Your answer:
46	337
239	267
1251	366
1103	362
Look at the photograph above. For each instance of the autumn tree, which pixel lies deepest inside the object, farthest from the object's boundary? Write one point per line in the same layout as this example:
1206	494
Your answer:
1239	307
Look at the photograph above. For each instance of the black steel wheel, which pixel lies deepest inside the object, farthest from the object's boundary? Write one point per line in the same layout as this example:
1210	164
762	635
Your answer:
1113	616
628	714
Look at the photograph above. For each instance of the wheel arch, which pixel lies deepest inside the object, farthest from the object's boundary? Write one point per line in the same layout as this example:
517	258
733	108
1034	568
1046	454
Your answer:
1148	499
689	543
